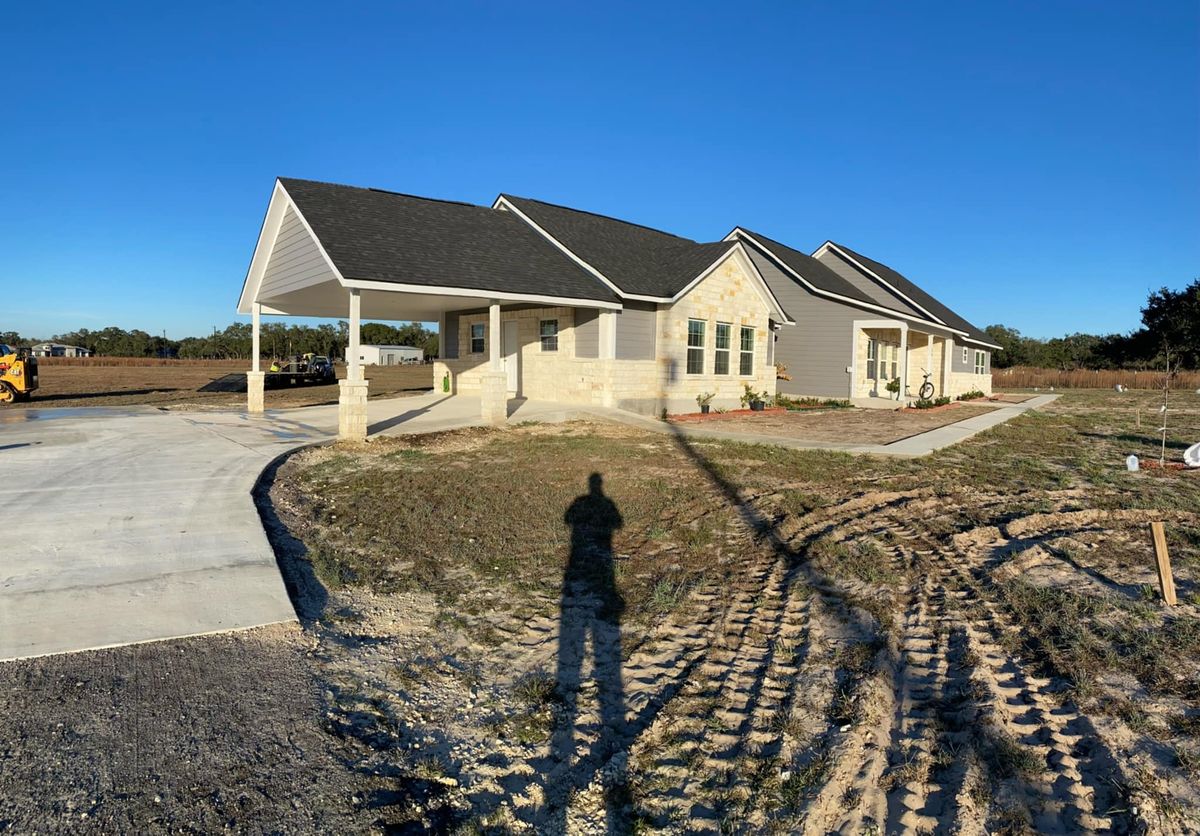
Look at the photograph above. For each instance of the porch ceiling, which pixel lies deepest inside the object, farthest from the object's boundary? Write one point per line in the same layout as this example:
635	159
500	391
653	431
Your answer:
331	299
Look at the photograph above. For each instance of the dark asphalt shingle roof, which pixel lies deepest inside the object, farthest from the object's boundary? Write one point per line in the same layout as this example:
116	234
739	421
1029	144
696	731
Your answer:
389	237
810	268
923	299
637	259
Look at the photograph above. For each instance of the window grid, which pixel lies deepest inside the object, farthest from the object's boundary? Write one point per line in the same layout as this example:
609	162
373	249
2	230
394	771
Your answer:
548	333
477	338
980	363
724	335
747	346
695	342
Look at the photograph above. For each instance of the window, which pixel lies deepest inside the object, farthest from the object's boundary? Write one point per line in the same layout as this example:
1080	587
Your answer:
724	335
872	357
548	331
477	338
747	365
965	356
980	363
894	352
695	346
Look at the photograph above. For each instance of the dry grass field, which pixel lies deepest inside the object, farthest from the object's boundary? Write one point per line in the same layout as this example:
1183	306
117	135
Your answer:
742	639
712	637
1028	377
187	384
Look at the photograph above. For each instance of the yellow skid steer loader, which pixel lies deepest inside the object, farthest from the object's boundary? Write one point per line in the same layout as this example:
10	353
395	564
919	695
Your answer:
18	374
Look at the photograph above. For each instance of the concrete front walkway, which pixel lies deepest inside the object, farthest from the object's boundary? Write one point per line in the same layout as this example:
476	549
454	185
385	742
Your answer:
917	445
130	525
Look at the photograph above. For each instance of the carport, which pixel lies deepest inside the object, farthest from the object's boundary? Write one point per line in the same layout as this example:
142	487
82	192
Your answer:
343	252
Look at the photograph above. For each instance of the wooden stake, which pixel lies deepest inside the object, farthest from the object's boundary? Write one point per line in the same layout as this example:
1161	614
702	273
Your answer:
1165	582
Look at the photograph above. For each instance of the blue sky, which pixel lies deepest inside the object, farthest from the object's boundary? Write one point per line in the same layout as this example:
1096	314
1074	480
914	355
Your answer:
1035	164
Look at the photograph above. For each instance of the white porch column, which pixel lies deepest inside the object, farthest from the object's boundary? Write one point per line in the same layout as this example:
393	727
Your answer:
493	383
255	378
354	371
902	395
947	359
352	397
608	335
494	337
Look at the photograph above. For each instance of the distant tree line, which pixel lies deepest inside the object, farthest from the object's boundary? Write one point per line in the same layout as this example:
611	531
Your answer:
1170	322
236	341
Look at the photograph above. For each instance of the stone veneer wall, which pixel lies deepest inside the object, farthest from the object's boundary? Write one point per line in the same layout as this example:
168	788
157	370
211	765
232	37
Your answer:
645	386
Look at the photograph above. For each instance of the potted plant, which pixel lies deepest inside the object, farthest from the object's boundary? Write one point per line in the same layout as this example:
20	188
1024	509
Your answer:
893	386
757	402
704	399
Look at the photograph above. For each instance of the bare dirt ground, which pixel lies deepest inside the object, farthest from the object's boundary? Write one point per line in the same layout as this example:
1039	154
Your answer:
861	426
712	637
197	385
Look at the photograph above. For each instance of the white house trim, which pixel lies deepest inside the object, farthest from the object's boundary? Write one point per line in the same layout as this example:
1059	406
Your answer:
829	245
502	202
276	210
779	262
440	290
747	264
856	329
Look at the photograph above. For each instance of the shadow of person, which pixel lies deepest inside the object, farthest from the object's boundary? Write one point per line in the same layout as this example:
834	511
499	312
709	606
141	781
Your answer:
591	605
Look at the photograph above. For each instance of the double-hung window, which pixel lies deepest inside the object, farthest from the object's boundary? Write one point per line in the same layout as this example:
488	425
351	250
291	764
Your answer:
724	337
695	346
548	331
872	359
747	352
477	338
965	360
980	363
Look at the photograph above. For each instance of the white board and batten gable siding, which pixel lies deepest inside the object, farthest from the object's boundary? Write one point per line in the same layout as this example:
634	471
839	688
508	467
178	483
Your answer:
296	262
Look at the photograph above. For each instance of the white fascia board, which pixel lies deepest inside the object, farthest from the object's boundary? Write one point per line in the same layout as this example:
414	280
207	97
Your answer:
502	202
477	293
967	339
280	201
829	245
779	262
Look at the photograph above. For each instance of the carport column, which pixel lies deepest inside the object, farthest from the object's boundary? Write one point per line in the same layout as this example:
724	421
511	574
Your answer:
608	351
352	399
902	395
255	378
493	383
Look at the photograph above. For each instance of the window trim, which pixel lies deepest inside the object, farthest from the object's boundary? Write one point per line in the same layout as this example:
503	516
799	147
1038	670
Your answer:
743	353
980	362
718	351
542	336
966	357
872	359
703	323
482	326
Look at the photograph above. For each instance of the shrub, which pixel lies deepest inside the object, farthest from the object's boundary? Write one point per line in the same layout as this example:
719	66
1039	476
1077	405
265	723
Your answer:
926	403
802	403
972	395
893	385
750	395
705	398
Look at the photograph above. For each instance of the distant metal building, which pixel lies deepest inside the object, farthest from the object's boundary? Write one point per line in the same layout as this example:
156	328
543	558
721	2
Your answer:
58	350
390	355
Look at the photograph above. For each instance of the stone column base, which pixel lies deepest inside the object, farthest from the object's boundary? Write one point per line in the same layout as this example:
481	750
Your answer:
255	384
352	410
493	396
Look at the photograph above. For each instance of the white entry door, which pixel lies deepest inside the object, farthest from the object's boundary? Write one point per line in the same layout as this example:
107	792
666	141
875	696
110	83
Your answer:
510	352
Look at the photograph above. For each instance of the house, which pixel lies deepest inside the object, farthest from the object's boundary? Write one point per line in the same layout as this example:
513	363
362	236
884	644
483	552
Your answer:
390	355
547	302
58	350
860	325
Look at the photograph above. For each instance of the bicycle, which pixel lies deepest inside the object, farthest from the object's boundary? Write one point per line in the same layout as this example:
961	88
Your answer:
925	393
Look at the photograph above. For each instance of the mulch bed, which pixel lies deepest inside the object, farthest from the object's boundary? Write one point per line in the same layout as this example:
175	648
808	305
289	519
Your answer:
942	408
696	417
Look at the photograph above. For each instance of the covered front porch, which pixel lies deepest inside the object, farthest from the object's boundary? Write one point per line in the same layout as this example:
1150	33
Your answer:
892	360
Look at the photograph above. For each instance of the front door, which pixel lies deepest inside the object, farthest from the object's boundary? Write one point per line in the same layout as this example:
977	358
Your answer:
510	352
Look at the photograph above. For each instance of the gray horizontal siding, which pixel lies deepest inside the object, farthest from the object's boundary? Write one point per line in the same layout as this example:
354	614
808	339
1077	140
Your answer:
295	260
637	325
587	333
817	349
867	285
957	364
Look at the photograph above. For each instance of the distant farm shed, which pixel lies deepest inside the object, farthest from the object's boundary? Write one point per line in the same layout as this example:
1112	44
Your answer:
389	355
58	350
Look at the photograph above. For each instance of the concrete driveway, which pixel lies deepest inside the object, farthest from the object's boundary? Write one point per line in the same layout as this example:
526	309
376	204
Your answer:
131	525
